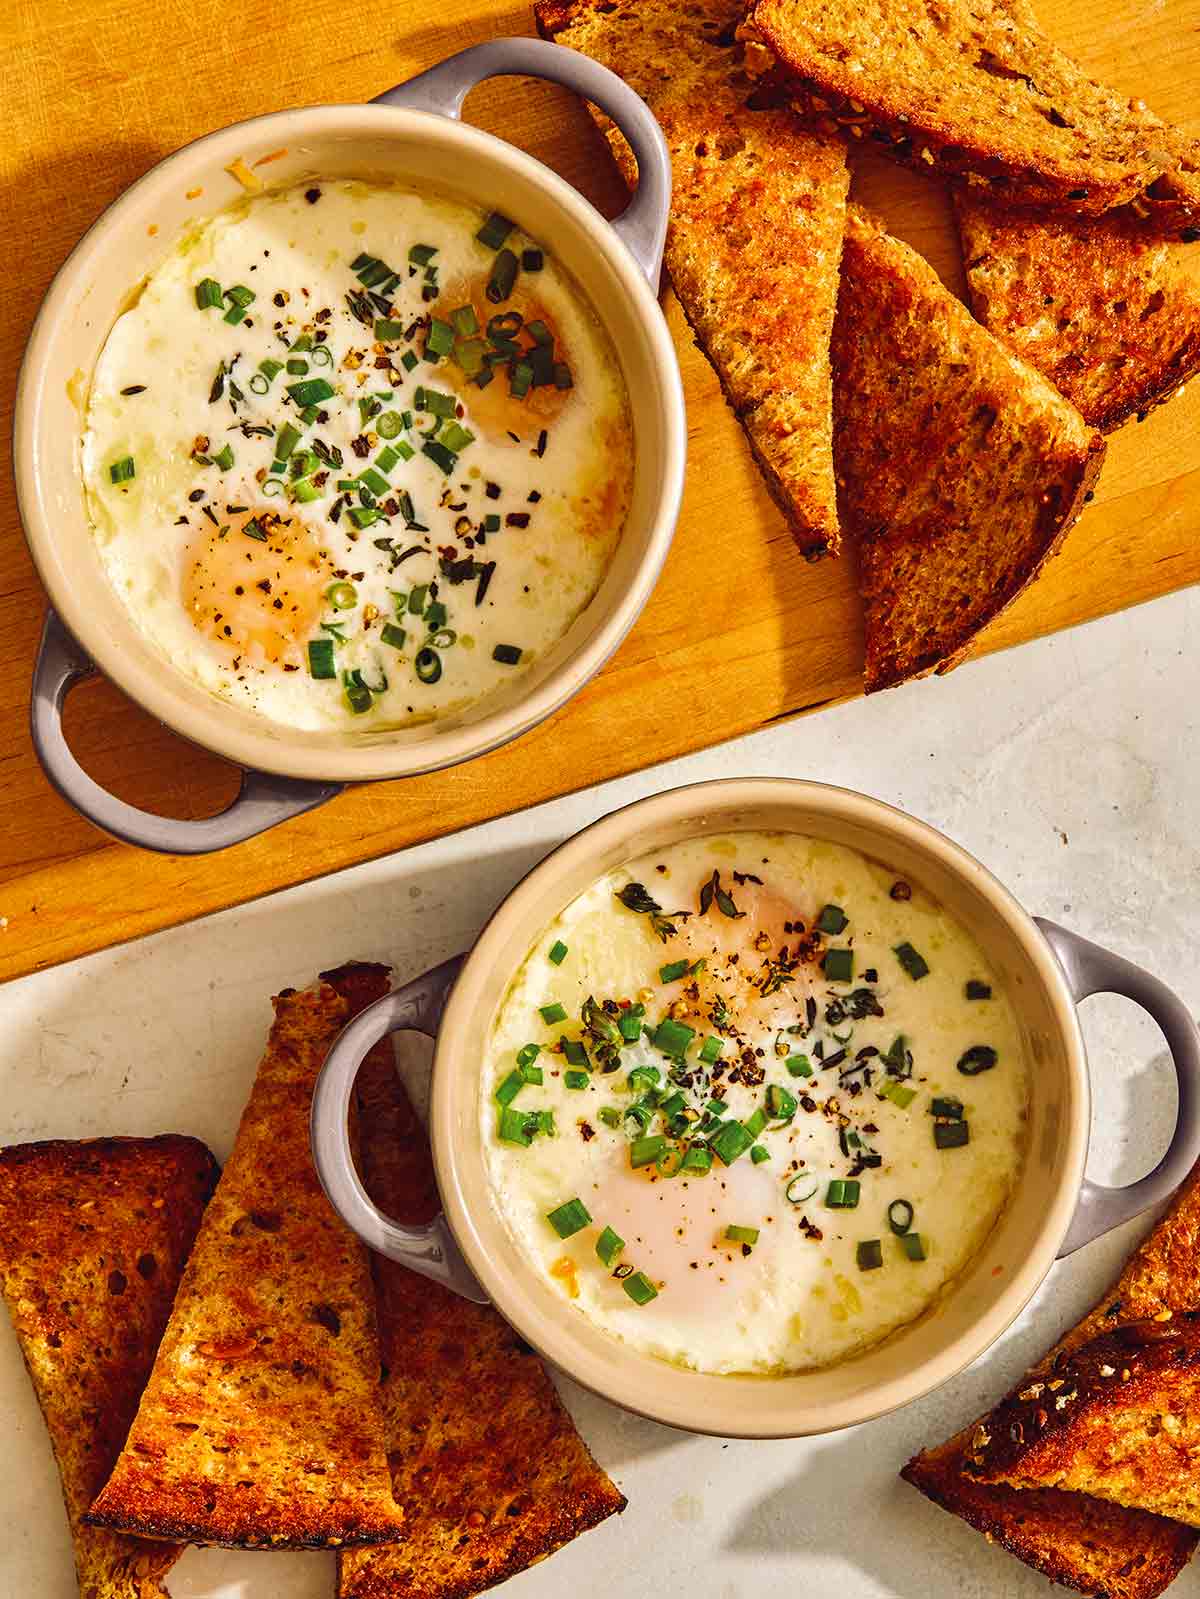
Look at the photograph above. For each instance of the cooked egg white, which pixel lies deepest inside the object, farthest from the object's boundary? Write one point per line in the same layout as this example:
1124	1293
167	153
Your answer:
229	561
797	1297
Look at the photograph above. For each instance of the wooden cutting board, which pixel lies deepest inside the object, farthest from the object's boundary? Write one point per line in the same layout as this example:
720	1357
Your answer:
740	633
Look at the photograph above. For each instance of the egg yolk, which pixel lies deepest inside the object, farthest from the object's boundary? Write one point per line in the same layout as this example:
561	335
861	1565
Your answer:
495	411
256	586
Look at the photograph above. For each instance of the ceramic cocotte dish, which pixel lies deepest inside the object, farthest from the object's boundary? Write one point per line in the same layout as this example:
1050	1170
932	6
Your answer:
1053	1209
412	133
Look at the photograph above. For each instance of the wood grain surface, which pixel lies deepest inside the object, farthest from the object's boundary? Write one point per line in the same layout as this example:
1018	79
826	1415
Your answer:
740	632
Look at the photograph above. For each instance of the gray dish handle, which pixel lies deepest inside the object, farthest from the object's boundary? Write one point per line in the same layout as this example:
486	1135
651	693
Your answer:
262	801
643	224
1091	969
429	1250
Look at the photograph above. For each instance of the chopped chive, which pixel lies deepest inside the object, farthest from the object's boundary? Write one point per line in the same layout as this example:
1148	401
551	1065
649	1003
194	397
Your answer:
672	971
913	1246
639	1288
510	1088
576	1079
673	1037
609	1246
495	230
742	1235
553	1012
781	1105
514	1126
946	1106
710	1050
951	1135
121	471
208	294
838	965
759	1153
645	1151
842	1194
913	962
798	1066
570	1218
507	654
731	1141
320	658
979	1058
558	952
311	391
869	1254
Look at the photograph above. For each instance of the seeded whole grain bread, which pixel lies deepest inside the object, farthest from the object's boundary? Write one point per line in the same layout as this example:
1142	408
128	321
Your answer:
755	236
1106	1548
93	1240
486	1463
1109	314
972	90
260	1425
959	501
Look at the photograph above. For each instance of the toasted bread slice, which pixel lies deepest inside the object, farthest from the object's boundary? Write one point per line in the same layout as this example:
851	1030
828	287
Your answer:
982	466
755	236
1119	1418
260	1425
1110	315
93	1240
1083	1543
970	90
486	1487
1161	1280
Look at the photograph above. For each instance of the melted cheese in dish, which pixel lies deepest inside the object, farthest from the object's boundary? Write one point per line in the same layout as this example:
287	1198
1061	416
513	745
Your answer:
303	492
865	1131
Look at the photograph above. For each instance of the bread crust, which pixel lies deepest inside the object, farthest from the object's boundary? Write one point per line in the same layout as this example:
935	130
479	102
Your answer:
971	90
968	491
1110	315
93	1239
754	243
260	1424
486	1490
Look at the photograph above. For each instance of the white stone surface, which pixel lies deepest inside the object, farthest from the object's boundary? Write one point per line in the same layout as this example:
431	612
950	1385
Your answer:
1069	767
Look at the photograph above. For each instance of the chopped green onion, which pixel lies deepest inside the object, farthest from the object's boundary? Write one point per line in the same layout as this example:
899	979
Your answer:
668	1162
742	1235
842	1194
759	1153
456	437
798	1066
977	990
642	1078
801	1187
234	315
270	369
342	596
832	919
645	1151
951	1135
576	1079
297	366
121	471
898	1093
374	480
781	1105
321	356
417	599
551	1013
320	658
639	1288
562	376
673	970
698	1159
869	1254
438	453
947	1106
388	425
464	321
494	230
672	1105
527	1054
641	1113
311	391
629	1024
503	277
532	260
979	1058
253	529
731	1141
273	485
258	384
838	965
422	254
240	295
358	695
900	1216
913	1246
609	1115
520	379
304	342
514	1126
428	665
558	952
440	338
408	360
570	1218
388	330
510	1088
609	1246
286	441
672	1037
435	402
208	294
507	654
710	1050
573	1052
304	490
912	961
363	515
